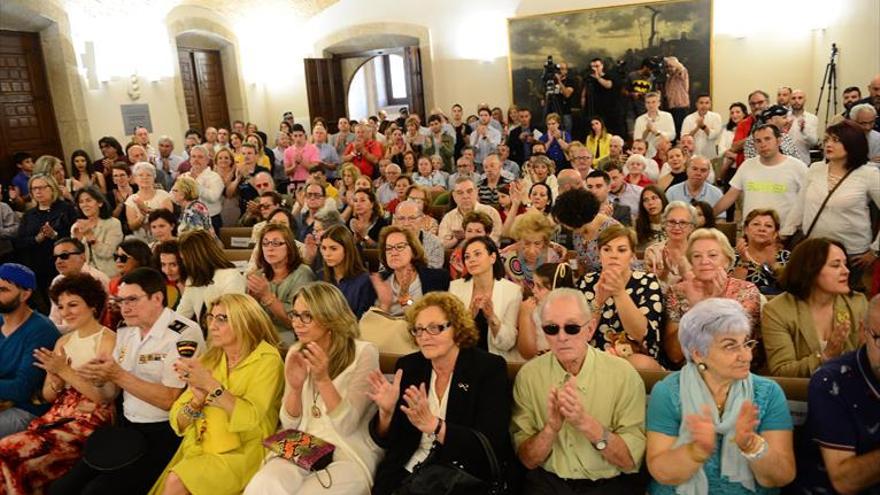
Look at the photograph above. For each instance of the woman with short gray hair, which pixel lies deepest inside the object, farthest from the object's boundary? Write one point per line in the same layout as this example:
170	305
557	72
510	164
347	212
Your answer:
714	427
148	198
666	259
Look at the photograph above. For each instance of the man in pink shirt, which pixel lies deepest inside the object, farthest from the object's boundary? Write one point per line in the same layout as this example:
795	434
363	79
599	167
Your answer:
363	151
300	156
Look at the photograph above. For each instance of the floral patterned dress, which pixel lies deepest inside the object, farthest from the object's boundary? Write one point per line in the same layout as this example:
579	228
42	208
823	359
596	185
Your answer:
32	459
644	289
741	291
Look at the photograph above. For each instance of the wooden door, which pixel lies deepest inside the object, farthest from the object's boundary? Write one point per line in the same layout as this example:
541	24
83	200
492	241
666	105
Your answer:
326	90
204	91
412	64
27	119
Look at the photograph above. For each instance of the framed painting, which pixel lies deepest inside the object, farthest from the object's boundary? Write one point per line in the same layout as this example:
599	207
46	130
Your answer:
624	37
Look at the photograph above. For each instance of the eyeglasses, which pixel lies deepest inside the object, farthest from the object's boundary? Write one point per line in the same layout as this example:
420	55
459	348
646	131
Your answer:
220	318
39	188
737	348
430	329
569	328
126	301
314	195
678	224
305	317
66	256
397	248
120	258
275	243
408	219
582	157
266	207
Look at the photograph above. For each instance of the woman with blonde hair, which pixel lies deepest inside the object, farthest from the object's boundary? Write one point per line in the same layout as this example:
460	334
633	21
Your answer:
439	396
710	256
327	377
230	404
194	214
210	273
48	219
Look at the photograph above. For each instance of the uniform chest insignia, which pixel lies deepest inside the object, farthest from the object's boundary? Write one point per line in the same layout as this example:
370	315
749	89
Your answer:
146	358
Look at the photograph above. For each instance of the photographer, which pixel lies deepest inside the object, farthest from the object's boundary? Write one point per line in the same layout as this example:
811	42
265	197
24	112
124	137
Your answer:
600	96
558	91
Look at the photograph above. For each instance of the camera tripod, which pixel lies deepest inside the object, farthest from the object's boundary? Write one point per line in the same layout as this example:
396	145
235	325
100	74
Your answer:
829	79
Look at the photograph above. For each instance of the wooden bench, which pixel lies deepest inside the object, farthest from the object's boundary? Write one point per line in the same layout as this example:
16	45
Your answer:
729	230
238	257
795	388
236	237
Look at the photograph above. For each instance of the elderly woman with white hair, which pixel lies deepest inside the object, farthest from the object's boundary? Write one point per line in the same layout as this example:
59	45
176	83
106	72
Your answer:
148	198
636	167
714	427
710	255
666	259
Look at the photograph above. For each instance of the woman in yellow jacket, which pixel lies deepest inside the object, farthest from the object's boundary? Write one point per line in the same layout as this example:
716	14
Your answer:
599	139
230	405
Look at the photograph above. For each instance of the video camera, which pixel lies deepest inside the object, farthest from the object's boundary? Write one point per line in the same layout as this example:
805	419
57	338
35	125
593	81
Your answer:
548	77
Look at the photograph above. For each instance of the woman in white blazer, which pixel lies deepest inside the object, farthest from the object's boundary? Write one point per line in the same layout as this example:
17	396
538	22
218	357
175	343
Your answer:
209	274
493	300
326	395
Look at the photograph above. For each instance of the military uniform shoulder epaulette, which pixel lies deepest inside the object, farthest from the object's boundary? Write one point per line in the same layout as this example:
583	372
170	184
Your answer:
177	326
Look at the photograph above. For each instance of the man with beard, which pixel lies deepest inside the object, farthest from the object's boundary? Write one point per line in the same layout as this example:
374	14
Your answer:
22	331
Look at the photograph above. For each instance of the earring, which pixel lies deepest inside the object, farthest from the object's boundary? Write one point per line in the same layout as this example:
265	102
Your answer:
702	366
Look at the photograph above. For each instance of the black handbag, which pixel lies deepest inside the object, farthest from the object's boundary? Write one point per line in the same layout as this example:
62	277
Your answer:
435	478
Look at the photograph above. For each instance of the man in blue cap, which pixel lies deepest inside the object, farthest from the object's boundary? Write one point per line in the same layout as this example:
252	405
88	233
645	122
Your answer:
22	330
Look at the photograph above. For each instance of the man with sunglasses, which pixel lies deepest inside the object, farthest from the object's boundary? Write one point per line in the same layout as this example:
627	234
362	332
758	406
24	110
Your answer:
843	416
578	419
22	331
141	365
69	255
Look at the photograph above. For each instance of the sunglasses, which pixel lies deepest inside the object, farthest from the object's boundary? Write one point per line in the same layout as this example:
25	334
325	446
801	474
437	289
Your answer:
120	258
570	328
66	256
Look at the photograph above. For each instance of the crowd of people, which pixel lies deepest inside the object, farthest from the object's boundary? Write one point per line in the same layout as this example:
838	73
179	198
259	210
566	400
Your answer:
136	356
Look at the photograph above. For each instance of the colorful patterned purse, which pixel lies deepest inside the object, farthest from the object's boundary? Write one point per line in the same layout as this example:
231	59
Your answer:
303	449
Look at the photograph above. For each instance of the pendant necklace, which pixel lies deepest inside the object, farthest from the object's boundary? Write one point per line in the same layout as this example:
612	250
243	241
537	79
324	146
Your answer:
316	411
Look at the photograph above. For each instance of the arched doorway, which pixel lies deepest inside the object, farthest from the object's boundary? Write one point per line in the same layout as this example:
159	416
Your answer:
379	84
330	80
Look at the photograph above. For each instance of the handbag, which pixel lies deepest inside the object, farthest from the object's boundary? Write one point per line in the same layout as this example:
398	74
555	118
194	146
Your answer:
799	234
389	333
303	449
434	478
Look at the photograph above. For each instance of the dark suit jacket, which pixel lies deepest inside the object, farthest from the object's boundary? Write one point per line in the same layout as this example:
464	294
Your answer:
479	398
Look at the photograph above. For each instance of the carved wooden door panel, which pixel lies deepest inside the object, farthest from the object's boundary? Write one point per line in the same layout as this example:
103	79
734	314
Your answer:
27	118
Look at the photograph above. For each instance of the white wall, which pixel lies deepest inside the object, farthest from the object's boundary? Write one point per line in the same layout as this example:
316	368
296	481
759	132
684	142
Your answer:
467	50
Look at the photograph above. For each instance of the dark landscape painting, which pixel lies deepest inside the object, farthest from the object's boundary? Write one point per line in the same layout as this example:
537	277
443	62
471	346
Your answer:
623	36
